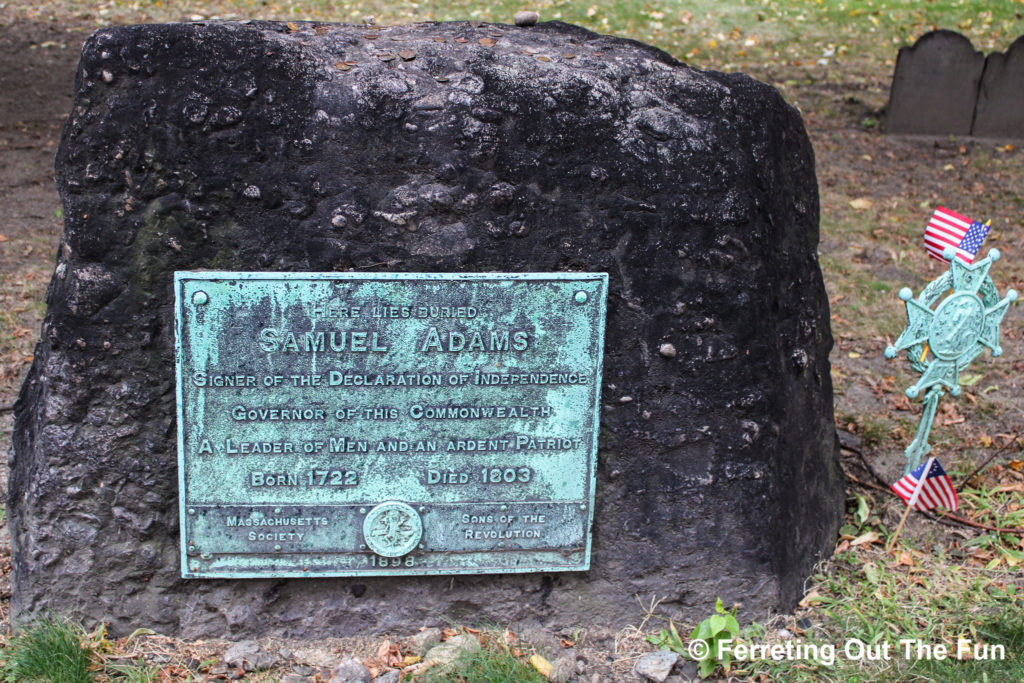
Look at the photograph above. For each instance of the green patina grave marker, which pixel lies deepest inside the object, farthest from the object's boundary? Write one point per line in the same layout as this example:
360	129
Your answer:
943	341
334	424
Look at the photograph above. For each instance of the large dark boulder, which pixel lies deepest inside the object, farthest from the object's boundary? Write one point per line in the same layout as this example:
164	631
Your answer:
437	147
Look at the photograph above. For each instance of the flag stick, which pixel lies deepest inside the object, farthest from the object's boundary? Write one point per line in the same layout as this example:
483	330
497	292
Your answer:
903	520
910	504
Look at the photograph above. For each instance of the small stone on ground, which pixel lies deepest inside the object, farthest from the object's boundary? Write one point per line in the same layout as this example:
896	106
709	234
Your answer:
656	666
526	18
247	655
423	641
350	670
450	650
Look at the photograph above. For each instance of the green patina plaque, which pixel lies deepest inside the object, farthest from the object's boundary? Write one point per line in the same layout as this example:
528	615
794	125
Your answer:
340	424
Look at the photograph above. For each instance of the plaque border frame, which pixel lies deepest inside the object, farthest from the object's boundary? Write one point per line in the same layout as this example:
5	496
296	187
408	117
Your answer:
181	276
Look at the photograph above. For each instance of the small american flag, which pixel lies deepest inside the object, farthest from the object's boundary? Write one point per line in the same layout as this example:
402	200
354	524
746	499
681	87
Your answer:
925	492
950	229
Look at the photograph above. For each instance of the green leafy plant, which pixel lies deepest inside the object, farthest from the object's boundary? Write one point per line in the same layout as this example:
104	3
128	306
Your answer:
49	650
721	625
668	639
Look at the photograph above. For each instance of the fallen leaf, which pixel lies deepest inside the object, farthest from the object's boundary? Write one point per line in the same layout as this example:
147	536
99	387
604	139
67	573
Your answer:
543	666
853	354
565	642
970	380
440	39
860	204
321	30
462	40
4	238
867	537
486	42
542	58
407	55
811	598
906	558
139	632
952	416
409	660
1016	465
342	66
292	27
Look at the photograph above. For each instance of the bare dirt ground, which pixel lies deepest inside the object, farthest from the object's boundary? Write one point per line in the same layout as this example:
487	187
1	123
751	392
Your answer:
877	193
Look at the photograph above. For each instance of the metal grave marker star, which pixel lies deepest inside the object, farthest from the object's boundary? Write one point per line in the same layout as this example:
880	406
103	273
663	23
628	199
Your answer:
941	341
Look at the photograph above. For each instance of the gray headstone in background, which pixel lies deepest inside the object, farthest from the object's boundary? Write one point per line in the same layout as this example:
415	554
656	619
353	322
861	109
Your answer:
1000	110
935	86
436	148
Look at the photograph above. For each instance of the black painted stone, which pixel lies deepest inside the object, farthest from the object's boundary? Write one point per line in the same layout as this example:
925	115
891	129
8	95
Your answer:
1000	110
252	147
935	86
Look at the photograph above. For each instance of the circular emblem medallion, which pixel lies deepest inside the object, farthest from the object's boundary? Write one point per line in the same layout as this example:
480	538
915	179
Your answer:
392	529
956	326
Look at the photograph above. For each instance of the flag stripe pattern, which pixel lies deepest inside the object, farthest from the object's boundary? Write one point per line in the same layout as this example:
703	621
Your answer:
950	229
936	489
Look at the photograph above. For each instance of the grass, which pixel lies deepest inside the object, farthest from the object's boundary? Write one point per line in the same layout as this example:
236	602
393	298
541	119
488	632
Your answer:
133	673
490	664
47	651
876	605
726	34
501	658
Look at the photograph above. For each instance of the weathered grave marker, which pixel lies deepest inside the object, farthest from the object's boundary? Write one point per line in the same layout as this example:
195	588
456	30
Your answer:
935	86
261	147
1000	110
943	86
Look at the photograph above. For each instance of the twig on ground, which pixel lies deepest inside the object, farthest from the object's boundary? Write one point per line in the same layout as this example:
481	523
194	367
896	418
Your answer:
864	461
979	468
961	520
7	408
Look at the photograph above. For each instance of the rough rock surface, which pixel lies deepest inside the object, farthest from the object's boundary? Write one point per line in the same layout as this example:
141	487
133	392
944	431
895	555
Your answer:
935	86
437	147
